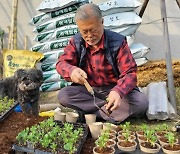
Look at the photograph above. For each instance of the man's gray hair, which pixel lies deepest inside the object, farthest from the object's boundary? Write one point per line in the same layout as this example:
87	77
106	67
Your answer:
86	11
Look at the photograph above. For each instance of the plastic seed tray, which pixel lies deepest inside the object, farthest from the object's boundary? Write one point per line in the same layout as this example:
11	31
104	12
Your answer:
6	113
79	145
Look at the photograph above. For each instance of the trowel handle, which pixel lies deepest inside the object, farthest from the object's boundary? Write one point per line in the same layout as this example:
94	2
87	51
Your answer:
88	87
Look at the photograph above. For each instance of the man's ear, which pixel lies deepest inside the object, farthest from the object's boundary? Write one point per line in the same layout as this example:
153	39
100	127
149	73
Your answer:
19	73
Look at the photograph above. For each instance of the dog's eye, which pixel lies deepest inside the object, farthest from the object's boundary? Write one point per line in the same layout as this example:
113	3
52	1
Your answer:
24	78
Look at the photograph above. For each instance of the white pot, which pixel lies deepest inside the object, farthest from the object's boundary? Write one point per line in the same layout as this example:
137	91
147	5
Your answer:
129	149
90	118
60	116
107	125
95	129
95	152
170	151
132	138
148	150
71	117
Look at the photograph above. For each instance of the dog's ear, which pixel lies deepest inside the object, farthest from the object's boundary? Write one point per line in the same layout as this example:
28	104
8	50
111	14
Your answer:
19	73
40	74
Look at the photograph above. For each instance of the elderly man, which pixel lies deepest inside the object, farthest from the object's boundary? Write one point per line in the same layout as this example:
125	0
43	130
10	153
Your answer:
103	58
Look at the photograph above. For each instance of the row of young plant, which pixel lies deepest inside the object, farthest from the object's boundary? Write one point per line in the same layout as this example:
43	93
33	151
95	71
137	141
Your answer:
150	140
52	137
5	104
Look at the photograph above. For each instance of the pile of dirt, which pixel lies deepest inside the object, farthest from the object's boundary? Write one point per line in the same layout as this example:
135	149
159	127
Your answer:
155	71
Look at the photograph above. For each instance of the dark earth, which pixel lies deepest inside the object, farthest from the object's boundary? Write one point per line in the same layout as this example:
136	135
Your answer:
16	122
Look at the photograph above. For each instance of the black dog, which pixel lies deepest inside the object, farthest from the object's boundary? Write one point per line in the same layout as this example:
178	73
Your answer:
24	88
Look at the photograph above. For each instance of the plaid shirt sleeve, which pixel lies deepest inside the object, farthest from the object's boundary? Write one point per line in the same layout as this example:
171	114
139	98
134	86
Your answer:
67	62
127	68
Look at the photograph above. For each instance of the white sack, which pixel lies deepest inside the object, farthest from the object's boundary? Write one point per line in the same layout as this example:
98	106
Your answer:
59	33
43	17
130	39
121	19
159	106
52	76
115	6
52	5
139	50
125	30
67	19
51	56
51	45
141	61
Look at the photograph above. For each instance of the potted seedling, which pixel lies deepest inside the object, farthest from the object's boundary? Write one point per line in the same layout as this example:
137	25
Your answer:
141	130
101	145
126	127
127	142
172	147
161	130
150	145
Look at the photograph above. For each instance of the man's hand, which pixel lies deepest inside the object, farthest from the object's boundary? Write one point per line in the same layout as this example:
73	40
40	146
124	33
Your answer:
78	76
114	101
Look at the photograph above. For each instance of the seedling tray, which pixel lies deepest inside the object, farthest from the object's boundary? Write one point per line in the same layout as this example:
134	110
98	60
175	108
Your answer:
7	112
79	146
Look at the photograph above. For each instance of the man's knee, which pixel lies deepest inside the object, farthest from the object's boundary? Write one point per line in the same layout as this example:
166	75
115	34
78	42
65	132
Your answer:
63	97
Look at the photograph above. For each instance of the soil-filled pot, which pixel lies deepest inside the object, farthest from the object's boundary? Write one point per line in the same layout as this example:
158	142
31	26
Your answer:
107	150
71	117
148	148
95	129
171	150
109	126
111	143
127	145
90	118
140	133
60	116
122	138
160	134
164	141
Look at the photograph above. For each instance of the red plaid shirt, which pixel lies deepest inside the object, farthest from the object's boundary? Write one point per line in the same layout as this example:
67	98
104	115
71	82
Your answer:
98	69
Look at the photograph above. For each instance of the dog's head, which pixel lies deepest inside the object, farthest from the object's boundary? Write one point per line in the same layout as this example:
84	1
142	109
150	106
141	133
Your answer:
28	79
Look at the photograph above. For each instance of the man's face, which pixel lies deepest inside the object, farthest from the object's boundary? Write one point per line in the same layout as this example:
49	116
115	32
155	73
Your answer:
91	30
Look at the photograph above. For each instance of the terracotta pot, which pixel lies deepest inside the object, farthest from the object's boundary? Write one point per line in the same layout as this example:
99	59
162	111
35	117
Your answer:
167	149
90	118
149	150
59	116
123	145
95	129
71	117
108	150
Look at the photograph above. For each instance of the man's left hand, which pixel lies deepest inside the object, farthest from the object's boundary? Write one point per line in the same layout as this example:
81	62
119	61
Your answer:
114	101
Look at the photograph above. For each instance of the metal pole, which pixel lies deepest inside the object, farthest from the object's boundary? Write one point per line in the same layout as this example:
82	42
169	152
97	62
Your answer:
143	8
170	78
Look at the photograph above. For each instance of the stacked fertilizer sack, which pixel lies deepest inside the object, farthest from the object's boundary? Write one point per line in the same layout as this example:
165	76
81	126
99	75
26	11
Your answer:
56	25
120	16
54	28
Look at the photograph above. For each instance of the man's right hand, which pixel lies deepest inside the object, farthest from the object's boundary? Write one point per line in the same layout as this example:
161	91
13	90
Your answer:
78	76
